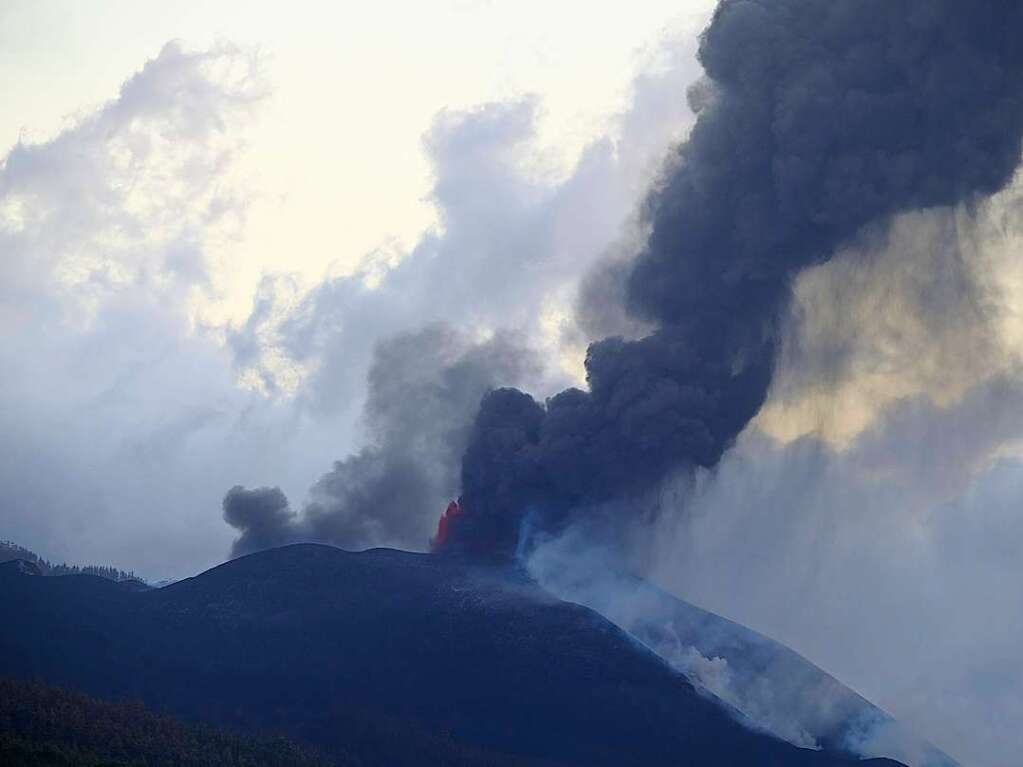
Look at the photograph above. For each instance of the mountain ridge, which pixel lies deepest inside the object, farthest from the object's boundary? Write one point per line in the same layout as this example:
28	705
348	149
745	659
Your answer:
320	644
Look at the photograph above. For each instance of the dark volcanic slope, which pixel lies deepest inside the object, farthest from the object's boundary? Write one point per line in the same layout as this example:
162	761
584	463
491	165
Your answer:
334	647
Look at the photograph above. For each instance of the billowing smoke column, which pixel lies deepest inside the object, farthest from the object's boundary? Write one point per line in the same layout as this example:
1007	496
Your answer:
819	118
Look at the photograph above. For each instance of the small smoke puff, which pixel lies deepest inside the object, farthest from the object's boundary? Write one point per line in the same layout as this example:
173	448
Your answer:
260	513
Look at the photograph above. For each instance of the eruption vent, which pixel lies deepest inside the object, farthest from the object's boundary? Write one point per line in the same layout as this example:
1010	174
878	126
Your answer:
444	523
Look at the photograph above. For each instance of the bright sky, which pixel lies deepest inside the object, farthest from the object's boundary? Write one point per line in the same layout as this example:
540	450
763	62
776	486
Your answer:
336	154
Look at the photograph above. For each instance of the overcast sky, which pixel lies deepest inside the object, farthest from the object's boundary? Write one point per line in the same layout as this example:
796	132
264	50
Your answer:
290	143
337	149
214	220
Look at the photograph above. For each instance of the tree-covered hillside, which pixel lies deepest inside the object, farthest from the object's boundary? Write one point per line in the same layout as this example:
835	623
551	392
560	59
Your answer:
44	726
10	550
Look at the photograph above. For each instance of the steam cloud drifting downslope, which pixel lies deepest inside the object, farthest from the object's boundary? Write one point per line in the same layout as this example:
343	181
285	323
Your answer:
819	118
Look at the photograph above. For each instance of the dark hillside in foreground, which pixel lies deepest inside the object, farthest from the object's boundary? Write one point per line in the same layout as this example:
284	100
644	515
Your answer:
42	726
402	659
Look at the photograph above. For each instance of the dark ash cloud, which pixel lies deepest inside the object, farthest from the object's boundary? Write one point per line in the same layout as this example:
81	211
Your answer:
819	119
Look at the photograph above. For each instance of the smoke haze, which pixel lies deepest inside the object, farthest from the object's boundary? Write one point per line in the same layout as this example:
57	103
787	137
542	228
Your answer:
422	390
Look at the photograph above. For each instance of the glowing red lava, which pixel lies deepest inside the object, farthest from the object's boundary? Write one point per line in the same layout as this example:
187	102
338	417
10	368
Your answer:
452	511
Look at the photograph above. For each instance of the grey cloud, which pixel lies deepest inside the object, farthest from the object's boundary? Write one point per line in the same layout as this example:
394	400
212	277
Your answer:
116	409
110	387
423	388
262	511
926	306
511	242
512	237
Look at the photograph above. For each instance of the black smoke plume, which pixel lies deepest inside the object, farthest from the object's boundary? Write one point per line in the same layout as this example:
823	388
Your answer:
818	119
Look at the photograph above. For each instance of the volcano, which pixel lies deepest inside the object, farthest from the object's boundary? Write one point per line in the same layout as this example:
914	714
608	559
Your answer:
399	658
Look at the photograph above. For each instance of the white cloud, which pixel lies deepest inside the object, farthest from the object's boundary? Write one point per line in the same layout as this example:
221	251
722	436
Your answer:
115	232
125	416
